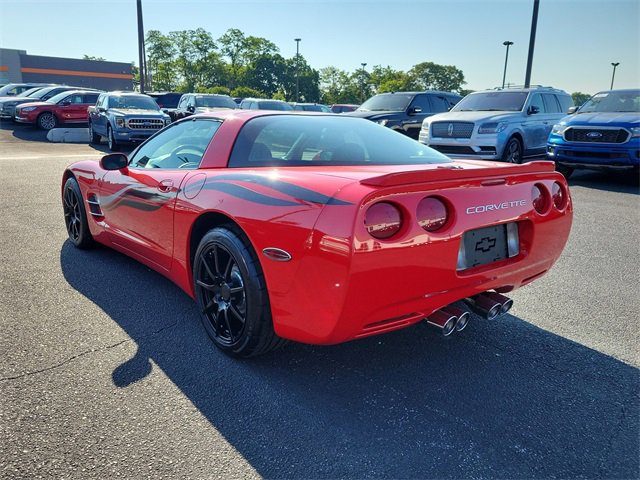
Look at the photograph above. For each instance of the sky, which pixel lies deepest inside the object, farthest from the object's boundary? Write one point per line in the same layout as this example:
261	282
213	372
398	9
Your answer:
576	40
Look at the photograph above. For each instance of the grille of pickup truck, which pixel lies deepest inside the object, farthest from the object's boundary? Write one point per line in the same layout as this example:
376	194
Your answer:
145	123
452	129
596	135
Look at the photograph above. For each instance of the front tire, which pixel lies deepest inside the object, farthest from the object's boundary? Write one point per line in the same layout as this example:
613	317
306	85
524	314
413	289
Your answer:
113	145
75	215
232	296
512	151
564	170
47	121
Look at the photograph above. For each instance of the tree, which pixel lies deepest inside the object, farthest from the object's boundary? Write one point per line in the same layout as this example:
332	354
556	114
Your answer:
90	57
431	76
386	79
579	98
161	61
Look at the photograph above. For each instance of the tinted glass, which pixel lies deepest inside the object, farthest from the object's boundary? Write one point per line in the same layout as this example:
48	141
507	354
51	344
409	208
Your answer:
550	103
215	102
492	101
267	105
536	101
133	101
439	104
181	145
421	102
386	102
615	101
293	140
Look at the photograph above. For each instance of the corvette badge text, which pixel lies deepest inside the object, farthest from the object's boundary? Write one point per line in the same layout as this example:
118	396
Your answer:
495	206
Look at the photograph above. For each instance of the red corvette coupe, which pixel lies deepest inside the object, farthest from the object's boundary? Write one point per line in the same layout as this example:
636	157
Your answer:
319	228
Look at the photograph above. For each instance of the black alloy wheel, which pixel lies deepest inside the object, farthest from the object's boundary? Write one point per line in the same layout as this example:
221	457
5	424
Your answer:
512	151
75	216
232	295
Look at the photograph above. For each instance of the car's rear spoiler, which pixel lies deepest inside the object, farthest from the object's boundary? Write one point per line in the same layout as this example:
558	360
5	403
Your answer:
455	171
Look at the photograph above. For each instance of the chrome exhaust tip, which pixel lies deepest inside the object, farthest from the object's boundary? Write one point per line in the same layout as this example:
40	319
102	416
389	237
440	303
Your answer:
485	306
444	322
505	302
462	316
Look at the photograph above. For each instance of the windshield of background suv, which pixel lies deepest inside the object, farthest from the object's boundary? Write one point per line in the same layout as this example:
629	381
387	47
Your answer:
30	92
628	101
492	101
215	102
392	102
327	140
133	101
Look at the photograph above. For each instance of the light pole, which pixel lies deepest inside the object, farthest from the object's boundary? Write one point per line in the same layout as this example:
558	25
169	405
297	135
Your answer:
613	75
364	73
507	44
297	40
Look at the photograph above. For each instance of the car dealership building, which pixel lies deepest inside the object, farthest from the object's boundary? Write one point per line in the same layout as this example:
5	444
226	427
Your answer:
16	66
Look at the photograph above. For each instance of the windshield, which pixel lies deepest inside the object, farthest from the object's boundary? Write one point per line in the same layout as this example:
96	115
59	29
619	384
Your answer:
500	101
386	102
266	105
41	93
296	140
215	102
133	101
616	101
30	92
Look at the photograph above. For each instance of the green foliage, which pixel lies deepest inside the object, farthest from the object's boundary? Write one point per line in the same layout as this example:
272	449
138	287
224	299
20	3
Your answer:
218	90
579	98
431	76
244	92
91	57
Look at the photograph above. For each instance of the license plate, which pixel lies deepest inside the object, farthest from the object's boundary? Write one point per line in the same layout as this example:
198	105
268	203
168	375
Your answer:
488	245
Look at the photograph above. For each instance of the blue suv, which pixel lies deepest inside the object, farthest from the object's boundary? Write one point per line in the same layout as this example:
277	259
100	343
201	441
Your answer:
603	134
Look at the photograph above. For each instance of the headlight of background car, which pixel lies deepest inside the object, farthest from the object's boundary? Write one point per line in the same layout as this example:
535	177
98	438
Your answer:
492	127
120	122
558	129
383	122
635	131
28	109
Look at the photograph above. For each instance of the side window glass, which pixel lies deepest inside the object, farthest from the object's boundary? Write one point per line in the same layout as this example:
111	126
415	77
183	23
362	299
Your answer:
536	101
90	98
421	102
550	103
183	102
74	99
566	102
181	145
439	104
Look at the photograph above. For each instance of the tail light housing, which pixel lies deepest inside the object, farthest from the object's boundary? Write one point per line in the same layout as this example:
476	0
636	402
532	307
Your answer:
540	199
559	196
432	214
383	220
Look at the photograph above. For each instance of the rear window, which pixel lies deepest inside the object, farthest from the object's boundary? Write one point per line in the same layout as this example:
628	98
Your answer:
288	140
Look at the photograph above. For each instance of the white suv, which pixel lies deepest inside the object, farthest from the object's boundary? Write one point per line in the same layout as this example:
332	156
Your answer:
505	125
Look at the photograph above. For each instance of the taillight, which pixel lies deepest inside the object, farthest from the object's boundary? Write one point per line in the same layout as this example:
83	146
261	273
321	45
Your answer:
539	198
383	220
432	214
559	195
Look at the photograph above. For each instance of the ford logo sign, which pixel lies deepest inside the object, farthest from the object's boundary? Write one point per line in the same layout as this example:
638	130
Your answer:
594	134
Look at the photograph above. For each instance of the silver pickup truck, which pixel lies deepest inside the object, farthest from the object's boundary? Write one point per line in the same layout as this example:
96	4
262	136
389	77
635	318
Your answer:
125	117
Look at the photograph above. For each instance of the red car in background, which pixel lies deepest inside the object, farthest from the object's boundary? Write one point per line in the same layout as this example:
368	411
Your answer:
319	228
65	107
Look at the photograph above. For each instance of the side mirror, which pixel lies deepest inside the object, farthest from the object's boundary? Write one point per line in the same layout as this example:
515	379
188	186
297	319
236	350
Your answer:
572	110
102	109
114	161
532	110
414	110
191	108
66	103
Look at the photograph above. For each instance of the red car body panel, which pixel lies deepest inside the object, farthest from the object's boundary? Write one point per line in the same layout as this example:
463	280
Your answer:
341	283
74	113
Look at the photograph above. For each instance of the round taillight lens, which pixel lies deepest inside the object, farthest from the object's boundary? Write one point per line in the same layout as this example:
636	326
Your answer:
539	199
383	220
432	214
559	196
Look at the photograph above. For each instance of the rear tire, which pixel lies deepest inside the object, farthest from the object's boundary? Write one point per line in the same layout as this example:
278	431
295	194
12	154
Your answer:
564	170
75	215
232	295
93	136
512	151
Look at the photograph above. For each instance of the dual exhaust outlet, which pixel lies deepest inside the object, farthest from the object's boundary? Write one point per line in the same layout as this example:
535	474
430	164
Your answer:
489	305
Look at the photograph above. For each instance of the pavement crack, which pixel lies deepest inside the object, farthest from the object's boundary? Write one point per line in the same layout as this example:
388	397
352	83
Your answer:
82	354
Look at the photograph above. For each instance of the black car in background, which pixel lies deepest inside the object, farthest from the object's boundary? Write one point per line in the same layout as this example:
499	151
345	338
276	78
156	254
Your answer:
192	103
405	111
167	101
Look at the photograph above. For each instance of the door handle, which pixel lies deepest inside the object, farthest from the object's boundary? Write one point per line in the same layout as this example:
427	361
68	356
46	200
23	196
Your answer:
165	186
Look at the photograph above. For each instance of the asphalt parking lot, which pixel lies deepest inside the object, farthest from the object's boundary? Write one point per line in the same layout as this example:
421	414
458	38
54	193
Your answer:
106	372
